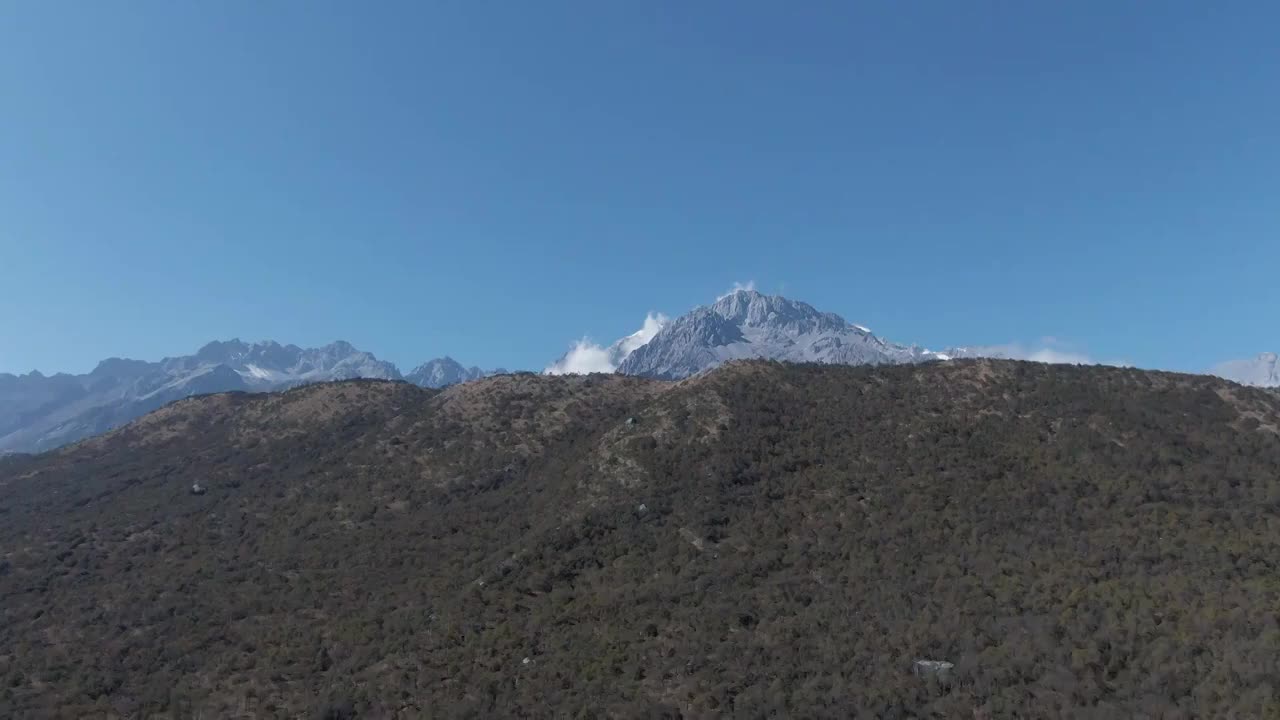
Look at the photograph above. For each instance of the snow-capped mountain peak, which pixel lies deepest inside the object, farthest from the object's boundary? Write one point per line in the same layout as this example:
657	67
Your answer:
748	324
753	309
445	371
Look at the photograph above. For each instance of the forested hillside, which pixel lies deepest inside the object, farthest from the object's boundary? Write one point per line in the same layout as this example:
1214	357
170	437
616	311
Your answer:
763	540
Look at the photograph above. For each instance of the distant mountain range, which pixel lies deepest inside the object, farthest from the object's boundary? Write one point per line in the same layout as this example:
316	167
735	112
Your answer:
39	412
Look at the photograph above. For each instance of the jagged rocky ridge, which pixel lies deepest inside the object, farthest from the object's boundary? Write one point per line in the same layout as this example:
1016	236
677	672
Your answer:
445	371
39	412
746	324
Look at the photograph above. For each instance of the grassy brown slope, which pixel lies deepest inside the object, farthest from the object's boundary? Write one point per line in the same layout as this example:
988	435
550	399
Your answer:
1077	540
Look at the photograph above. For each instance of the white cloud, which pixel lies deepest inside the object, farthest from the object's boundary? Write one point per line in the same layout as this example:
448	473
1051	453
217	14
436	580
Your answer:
586	357
748	286
653	322
1052	356
1049	350
1262	370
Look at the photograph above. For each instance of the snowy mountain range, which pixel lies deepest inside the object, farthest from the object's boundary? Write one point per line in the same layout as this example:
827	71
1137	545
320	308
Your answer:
270	365
39	412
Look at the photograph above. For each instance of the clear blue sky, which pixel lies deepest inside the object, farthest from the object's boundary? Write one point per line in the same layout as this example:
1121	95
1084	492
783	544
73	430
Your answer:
493	180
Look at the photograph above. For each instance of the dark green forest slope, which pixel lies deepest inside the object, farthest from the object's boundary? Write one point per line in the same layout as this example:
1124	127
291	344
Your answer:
764	540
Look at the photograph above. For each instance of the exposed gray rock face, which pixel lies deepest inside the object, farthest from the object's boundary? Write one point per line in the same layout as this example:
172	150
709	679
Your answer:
270	365
940	669
446	371
747	324
1261	371
39	413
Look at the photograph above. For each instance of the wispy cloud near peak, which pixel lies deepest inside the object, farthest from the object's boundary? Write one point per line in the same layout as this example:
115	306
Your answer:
737	286
586	357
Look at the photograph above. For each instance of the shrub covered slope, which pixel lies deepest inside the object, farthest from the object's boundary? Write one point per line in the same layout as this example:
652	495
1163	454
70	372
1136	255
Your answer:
762	540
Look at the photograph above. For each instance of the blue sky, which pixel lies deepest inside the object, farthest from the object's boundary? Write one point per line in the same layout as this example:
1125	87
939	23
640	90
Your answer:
495	180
